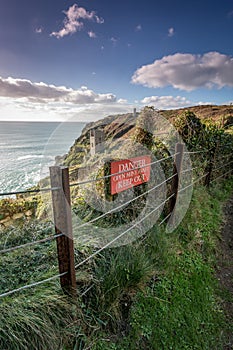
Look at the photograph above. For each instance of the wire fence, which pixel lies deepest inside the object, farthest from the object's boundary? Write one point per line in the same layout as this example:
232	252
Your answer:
29	244
127	202
38	190
60	235
35	284
223	166
96	179
196	152
122	234
120	172
219	177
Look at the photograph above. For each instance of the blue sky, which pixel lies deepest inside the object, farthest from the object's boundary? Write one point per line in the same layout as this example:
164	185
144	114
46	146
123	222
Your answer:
83	60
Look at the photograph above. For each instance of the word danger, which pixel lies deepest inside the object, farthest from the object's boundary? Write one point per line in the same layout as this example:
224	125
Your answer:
128	173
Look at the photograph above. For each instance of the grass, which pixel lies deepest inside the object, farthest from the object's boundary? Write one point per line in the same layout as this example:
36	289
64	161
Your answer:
34	320
180	307
157	293
178	312
24	266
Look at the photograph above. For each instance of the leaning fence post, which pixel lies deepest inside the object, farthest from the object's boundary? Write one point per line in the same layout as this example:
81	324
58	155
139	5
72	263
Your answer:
177	169
59	177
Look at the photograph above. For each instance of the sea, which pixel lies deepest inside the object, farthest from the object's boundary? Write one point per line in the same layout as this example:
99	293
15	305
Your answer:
28	149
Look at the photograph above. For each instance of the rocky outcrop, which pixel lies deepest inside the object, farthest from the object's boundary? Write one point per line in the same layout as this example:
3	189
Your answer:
16	211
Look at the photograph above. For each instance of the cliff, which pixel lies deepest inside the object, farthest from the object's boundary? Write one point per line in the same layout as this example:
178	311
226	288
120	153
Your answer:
123	125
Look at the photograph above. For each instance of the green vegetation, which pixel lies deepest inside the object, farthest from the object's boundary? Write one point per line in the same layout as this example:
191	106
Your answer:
39	320
12	210
159	292
179	307
31	319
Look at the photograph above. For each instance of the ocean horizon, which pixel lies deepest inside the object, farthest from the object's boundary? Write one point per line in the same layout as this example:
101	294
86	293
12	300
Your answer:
28	149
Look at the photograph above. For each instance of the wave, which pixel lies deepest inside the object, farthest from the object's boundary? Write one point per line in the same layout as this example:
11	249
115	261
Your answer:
38	156
27	150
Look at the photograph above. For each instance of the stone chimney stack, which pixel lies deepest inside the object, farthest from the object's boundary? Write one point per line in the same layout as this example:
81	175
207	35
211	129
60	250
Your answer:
134	113
96	138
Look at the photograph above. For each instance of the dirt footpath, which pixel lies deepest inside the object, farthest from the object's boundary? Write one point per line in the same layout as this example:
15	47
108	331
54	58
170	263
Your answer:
225	268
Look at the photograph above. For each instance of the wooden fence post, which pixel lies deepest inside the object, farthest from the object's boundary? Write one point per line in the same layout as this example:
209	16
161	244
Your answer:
107	181
59	177
178	162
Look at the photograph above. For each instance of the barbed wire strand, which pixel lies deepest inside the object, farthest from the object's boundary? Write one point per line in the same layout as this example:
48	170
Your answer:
194	152
161	222
193	183
221	175
87	290
126	203
122	234
30	191
121	172
222	166
7	250
191	169
33	284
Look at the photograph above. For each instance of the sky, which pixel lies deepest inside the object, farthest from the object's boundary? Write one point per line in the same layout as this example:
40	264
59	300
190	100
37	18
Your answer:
83	60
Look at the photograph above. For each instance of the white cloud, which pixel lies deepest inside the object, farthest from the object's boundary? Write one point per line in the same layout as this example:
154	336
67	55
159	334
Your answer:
20	99
138	28
38	30
73	21
57	111
201	103
41	92
171	32
122	101
91	34
113	40
166	102
187	71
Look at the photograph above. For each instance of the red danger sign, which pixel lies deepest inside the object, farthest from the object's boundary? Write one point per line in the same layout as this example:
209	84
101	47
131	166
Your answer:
128	173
